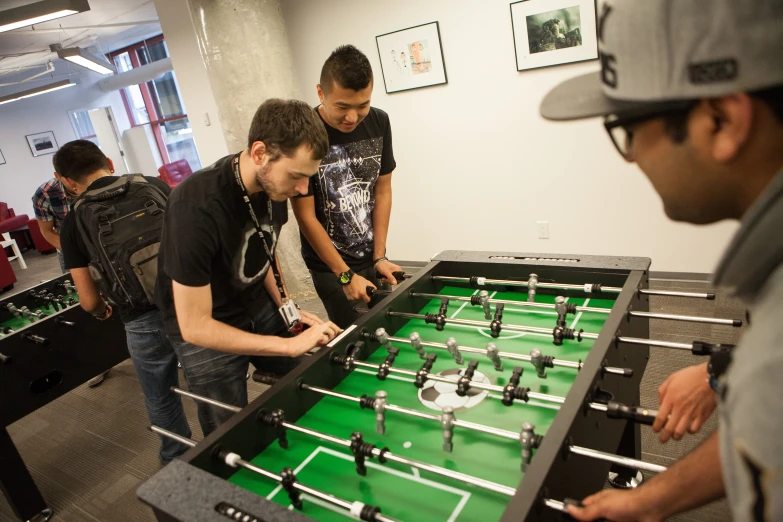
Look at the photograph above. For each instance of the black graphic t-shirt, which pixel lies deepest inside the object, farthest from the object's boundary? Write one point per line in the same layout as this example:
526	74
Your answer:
344	189
209	238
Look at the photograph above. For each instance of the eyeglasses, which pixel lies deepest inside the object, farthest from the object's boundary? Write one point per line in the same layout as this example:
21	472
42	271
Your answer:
621	128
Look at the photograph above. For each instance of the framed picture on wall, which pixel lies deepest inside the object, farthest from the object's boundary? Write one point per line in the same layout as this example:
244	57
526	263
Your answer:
411	58
553	32
42	143
2	158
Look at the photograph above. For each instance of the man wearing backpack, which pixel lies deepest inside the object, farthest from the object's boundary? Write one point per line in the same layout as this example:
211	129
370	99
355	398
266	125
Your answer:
109	242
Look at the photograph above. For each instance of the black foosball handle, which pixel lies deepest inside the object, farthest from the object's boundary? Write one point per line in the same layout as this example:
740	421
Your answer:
577	503
35	339
399	276
5	359
616	410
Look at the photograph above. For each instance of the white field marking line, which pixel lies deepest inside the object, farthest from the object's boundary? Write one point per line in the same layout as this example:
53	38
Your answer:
530	311
296	471
463	306
530	402
339	337
579	315
454	514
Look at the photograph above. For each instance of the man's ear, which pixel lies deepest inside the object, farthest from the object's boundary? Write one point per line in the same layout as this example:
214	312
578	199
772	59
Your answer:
111	165
321	95
733	117
258	152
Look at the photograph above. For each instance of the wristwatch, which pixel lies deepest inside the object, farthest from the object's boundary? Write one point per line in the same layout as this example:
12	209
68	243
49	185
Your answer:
346	277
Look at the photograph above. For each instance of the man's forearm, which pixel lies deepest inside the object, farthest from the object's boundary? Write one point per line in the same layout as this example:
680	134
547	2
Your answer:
692	482
52	237
381	215
219	336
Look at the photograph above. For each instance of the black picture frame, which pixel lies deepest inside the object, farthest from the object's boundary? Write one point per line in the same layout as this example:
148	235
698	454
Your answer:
42	143
406	81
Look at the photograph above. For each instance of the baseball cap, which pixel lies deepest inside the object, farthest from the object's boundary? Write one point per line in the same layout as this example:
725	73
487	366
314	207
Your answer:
656	53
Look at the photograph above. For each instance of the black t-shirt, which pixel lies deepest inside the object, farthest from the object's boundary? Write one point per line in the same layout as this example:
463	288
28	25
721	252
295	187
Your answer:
344	189
210	239
75	251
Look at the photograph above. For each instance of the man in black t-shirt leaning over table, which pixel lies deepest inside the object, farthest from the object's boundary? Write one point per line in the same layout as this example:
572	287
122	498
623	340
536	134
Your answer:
219	297
345	217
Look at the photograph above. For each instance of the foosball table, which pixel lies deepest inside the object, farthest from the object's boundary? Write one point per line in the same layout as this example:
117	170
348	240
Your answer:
48	346
488	386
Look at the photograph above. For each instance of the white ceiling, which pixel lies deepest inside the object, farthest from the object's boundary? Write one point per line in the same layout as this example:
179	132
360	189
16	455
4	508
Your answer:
84	30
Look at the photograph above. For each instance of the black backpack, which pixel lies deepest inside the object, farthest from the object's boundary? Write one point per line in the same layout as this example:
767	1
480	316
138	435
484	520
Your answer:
121	225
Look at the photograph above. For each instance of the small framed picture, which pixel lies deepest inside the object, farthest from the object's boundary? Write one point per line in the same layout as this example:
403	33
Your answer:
553	32
42	143
411	58
2	158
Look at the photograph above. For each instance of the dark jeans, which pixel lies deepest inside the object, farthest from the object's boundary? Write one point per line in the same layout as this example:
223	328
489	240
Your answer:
223	376
156	367
342	312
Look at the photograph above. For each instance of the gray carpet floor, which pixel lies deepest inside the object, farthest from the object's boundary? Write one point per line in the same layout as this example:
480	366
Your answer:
89	450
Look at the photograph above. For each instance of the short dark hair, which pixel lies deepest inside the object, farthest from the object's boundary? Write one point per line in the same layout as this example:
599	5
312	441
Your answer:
285	125
347	66
676	124
78	159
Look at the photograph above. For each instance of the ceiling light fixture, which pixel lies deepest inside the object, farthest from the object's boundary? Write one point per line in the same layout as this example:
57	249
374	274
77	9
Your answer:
40	12
86	59
36	91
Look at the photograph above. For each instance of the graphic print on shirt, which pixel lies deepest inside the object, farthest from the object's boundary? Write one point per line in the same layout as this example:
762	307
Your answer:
251	260
346	180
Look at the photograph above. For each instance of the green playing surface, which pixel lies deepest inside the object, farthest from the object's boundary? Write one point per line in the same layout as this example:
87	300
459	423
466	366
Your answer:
20	300
404	493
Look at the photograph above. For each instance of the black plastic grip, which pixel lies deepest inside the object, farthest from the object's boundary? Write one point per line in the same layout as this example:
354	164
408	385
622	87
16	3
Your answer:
616	410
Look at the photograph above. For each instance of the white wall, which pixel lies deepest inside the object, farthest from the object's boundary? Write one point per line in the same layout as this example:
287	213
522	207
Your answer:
23	173
174	16
476	165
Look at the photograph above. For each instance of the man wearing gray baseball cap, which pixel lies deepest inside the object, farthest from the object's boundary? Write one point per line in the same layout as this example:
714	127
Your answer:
692	91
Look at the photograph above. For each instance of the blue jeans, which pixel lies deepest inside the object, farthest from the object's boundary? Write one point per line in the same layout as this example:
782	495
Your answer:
61	259
223	376
156	367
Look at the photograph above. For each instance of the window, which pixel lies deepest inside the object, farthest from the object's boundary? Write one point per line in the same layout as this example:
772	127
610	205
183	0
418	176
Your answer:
158	103
82	126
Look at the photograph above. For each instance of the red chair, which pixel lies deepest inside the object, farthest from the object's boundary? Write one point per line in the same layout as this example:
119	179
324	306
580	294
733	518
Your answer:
9	221
39	241
174	173
7	276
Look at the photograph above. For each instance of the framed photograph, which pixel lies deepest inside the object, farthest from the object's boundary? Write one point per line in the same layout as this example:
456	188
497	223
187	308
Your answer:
42	143
411	58
553	32
2	158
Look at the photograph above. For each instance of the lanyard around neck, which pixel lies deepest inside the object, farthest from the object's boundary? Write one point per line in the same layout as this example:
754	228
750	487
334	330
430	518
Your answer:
246	198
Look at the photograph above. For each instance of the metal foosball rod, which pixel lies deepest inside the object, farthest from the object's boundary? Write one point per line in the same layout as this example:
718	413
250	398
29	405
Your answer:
360	448
482	298
289	482
510	392
589	288
434	319
558	333
536	358
380	406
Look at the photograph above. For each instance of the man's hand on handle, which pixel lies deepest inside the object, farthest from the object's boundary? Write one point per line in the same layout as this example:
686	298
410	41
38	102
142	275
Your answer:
357	289
316	335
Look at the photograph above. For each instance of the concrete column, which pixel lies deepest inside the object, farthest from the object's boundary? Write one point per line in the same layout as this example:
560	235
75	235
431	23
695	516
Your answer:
243	46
